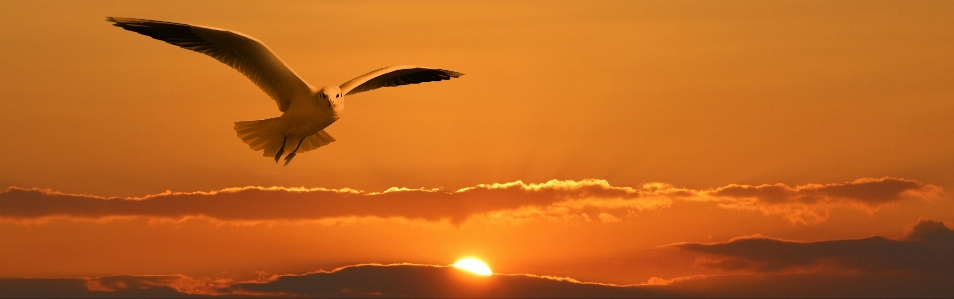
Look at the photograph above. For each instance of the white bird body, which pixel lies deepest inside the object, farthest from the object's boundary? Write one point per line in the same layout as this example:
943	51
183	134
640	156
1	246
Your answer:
306	117
306	111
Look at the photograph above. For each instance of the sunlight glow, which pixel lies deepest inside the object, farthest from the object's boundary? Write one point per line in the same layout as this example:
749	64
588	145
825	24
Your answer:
474	266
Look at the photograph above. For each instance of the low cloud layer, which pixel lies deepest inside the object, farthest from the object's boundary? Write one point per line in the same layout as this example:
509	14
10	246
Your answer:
426	281
404	280
917	264
103	287
817	285
805	204
434	282
928	248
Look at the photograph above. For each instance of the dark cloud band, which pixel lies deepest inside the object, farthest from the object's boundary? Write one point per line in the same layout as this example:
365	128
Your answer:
807	203
927	248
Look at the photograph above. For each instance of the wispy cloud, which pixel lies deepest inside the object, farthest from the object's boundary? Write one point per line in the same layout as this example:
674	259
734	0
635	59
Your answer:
811	203
510	201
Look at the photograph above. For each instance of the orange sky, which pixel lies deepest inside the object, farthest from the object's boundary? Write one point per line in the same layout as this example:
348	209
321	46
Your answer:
797	121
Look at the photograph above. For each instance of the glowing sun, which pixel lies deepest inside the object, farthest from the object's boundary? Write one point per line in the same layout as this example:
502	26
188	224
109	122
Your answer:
474	266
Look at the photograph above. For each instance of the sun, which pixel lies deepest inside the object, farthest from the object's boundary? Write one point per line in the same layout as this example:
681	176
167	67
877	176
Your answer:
474	266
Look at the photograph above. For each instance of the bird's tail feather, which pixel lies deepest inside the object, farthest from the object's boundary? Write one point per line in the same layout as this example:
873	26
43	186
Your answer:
267	135
317	140
262	134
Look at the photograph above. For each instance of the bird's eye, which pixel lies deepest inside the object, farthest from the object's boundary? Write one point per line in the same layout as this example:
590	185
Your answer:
337	96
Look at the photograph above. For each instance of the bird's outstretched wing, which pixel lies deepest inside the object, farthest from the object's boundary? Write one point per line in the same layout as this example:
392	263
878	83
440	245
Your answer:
396	76
243	53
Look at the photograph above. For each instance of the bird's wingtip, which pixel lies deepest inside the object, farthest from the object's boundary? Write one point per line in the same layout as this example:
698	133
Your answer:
122	20
453	74
117	21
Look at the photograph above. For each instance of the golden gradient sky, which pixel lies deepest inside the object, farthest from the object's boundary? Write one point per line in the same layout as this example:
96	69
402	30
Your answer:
847	106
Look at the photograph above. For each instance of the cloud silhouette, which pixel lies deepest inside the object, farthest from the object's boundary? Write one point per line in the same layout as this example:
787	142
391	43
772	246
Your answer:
917	264
105	287
427	281
927	249
516	200
817	285
402	280
434	281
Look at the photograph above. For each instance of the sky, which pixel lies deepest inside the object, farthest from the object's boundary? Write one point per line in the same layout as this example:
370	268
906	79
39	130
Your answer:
591	148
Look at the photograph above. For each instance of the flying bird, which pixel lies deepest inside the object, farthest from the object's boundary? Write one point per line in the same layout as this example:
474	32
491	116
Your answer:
306	111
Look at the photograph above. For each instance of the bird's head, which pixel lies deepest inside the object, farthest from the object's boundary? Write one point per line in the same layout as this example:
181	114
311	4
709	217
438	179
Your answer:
332	96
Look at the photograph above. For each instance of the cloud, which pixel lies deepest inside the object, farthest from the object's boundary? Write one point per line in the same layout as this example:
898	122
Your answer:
811	203
401	280
608	218
919	263
276	203
816	285
116	287
926	249
435	281
509	201
427	281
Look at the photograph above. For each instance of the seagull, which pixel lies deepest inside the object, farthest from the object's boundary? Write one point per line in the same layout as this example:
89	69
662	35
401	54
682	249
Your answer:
306	111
